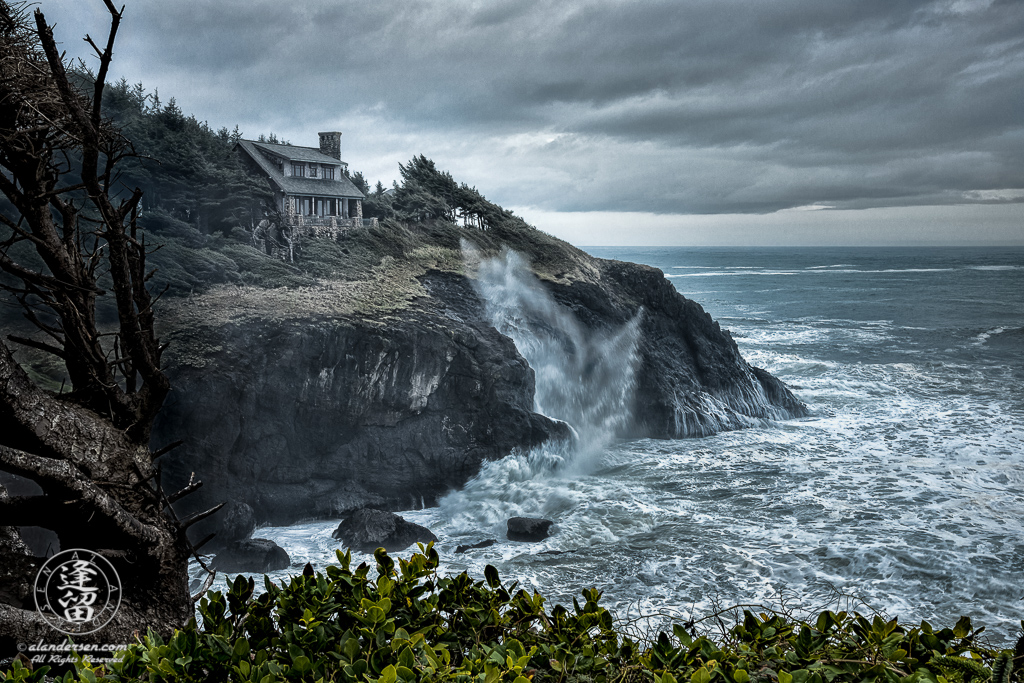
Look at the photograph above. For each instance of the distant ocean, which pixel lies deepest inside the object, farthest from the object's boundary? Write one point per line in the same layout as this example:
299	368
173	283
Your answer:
904	489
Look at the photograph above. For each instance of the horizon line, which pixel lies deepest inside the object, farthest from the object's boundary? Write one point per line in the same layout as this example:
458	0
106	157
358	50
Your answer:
804	246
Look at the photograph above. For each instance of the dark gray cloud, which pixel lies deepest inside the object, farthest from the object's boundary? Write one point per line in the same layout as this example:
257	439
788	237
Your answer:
703	106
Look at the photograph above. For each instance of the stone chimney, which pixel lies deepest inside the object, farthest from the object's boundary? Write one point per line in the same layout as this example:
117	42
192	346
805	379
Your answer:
330	144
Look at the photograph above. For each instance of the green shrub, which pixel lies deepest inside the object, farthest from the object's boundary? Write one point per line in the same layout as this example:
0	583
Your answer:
409	623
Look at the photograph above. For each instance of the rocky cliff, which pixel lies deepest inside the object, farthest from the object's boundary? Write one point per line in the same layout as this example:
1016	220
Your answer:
314	417
691	378
390	386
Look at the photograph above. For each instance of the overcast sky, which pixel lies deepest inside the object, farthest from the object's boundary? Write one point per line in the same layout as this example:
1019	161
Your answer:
680	122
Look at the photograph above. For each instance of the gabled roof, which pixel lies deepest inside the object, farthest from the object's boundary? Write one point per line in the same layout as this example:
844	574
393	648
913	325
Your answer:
294	153
339	187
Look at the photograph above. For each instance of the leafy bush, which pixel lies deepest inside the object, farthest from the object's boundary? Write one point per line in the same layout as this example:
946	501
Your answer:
411	624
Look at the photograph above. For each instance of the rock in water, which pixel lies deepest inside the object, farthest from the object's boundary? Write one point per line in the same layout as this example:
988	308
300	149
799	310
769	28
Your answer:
369	529
400	413
237	521
474	546
256	555
528	529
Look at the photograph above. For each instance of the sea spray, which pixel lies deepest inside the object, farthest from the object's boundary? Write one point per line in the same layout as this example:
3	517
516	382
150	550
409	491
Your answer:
584	377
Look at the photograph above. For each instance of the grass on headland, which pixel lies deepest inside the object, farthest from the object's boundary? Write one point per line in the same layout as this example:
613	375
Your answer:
366	275
409	623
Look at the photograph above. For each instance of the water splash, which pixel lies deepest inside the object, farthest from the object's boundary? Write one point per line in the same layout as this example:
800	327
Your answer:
584	377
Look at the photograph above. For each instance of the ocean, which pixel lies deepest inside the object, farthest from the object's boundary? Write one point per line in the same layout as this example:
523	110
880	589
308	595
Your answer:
902	493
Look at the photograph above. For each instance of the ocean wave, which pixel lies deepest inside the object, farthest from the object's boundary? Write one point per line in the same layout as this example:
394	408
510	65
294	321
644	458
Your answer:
995	267
742	319
987	334
999	333
885	270
836	337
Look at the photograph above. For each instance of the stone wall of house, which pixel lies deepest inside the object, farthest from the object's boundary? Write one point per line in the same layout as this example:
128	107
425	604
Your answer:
267	238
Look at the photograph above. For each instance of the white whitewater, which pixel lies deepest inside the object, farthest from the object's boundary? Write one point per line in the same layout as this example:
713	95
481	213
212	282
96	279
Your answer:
585	378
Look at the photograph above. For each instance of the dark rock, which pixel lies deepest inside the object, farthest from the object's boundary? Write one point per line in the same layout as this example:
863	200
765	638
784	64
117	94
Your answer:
255	555
529	529
691	380
41	542
32	540
237	521
368	529
474	546
233	522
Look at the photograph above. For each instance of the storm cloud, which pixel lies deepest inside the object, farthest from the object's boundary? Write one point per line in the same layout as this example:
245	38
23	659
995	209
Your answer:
703	106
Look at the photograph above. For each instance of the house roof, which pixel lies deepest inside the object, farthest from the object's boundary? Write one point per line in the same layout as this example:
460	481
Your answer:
341	186
296	153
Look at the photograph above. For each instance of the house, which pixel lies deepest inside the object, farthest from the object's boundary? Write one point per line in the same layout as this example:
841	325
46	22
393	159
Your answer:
311	189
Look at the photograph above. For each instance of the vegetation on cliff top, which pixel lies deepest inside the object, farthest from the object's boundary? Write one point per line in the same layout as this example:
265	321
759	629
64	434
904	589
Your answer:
202	205
411	623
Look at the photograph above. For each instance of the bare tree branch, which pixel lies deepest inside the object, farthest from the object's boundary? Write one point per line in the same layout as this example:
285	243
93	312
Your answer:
42	346
68	479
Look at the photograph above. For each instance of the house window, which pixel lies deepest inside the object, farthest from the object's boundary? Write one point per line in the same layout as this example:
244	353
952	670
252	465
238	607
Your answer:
328	173
312	170
299	170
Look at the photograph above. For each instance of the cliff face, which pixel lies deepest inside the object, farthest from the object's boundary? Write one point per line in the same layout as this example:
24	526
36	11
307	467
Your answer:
314	403
314	418
691	379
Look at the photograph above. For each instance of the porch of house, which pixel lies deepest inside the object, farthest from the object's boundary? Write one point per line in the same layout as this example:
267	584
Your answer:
322	207
324	216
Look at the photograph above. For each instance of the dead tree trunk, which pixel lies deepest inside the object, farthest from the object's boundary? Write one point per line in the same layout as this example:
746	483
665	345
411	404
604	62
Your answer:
87	448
